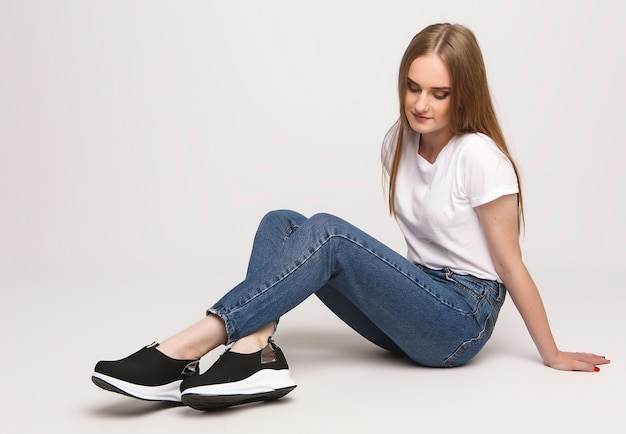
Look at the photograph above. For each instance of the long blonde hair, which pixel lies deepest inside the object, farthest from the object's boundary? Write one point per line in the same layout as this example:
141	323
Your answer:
471	111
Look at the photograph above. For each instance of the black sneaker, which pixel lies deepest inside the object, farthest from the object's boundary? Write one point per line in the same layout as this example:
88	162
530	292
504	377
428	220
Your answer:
239	379
147	374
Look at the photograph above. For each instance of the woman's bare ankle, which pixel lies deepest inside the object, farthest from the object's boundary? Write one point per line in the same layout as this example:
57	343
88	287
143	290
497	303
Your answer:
253	342
195	341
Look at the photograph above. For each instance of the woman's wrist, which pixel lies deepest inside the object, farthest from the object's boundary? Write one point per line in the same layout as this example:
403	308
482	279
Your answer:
549	357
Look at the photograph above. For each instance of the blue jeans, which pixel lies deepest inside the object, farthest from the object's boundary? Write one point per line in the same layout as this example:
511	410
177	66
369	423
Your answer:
435	317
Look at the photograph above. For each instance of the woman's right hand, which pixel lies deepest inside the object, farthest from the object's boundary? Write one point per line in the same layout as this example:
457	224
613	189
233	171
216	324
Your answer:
568	361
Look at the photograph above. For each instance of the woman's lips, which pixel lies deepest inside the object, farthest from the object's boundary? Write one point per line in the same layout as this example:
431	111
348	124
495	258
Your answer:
420	118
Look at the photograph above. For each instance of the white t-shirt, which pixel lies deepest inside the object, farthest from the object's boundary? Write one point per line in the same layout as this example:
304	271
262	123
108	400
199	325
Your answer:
435	202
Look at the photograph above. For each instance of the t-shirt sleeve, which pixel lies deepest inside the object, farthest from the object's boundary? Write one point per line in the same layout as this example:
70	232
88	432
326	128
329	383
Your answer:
486	173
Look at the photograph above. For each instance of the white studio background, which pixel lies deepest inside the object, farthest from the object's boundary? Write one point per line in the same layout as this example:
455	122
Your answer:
141	142
145	135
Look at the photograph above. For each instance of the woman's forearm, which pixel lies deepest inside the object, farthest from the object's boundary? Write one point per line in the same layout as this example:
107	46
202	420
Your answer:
528	302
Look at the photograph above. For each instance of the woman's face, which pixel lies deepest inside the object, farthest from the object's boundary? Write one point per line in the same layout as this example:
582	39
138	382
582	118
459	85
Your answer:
427	98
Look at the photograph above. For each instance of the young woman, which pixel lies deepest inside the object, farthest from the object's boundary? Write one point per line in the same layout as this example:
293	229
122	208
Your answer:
454	190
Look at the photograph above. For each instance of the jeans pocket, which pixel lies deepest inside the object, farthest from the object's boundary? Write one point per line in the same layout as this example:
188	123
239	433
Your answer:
471	289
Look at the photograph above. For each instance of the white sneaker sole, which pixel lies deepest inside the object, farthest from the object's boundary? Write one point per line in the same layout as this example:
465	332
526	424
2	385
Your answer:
166	392
265	380
264	385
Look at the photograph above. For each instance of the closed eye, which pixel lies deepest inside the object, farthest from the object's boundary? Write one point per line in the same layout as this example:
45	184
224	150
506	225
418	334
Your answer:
412	87
439	93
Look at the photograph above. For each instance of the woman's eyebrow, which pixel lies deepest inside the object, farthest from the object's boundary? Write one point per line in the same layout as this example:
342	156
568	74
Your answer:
439	88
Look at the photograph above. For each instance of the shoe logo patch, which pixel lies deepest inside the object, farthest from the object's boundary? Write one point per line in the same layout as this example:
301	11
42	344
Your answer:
268	355
191	368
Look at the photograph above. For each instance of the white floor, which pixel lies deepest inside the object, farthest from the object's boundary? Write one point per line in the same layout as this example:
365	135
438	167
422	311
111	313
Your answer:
55	329
142	141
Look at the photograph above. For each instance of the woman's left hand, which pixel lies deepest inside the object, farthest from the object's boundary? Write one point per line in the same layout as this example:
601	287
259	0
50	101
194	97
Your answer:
567	361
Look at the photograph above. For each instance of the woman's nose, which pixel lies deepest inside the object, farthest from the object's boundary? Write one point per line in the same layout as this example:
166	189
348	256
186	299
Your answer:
421	103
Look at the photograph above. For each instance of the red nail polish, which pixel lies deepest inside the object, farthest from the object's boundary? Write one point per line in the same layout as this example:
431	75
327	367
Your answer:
596	369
